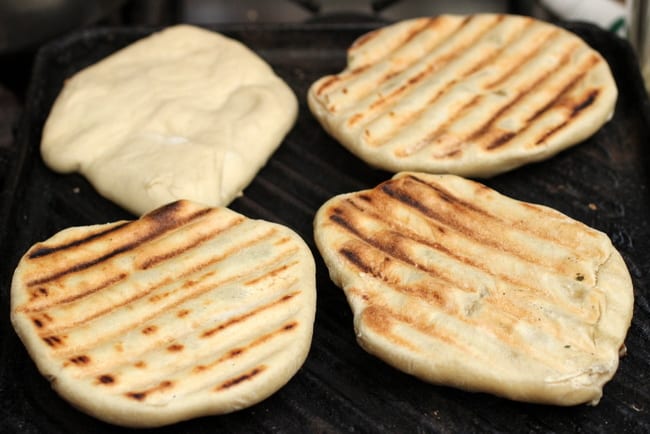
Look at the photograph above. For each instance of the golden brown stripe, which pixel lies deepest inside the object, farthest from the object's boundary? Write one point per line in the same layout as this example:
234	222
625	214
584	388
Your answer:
240	379
507	316
412	81
504	136
241	318
155	260
165	223
195	283
376	266
143	394
428	70
340	78
434	135
530	122
105	284
230	354
404	197
41	250
530	54
389	242
271	274
194	269
575	110
447	197
241	350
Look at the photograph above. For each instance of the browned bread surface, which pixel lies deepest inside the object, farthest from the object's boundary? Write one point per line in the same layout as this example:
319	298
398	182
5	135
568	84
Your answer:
472	95
454	283
188	311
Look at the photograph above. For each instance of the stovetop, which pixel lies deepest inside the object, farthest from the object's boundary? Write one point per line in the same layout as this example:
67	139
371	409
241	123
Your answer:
332	392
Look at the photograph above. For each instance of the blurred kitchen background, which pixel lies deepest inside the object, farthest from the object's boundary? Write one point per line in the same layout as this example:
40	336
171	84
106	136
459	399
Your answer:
27	24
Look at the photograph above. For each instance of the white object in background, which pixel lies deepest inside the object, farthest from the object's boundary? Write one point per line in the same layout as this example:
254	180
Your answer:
608	14
638	13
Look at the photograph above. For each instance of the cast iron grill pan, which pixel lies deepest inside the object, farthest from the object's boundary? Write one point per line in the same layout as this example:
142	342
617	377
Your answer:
602	182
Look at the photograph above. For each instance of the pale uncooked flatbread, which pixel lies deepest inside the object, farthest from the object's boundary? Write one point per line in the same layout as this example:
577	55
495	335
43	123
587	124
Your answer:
471	95
185	113
188	311
459	285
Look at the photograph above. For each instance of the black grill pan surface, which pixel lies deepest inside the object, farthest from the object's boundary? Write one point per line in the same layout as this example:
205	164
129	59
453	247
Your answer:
602	182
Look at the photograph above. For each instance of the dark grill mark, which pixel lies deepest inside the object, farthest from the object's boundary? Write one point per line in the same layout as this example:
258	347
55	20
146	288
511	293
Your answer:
591	97
236	352
175	348
368	262
240	379
327	83
574	112
149	330
109	282
54	341
450	198
353	258
500	140
243	317
41	251
154	260
80	360
271	273
411	82
342	221
505	137
524	60
138	396
106	379
165	224
395	238
190	295
404	198
142	394
41	291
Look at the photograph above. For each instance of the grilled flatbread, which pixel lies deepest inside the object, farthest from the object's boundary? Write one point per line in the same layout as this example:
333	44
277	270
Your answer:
470	95
185	113
188	311
459	285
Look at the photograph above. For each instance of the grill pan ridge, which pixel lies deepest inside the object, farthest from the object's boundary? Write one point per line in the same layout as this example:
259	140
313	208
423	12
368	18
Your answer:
602	182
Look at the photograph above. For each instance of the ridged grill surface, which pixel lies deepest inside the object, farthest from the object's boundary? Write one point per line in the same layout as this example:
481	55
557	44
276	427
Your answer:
341	388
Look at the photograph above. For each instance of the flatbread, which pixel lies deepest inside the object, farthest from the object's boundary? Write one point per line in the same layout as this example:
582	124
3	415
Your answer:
188	311
458	285
469	95
185	113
